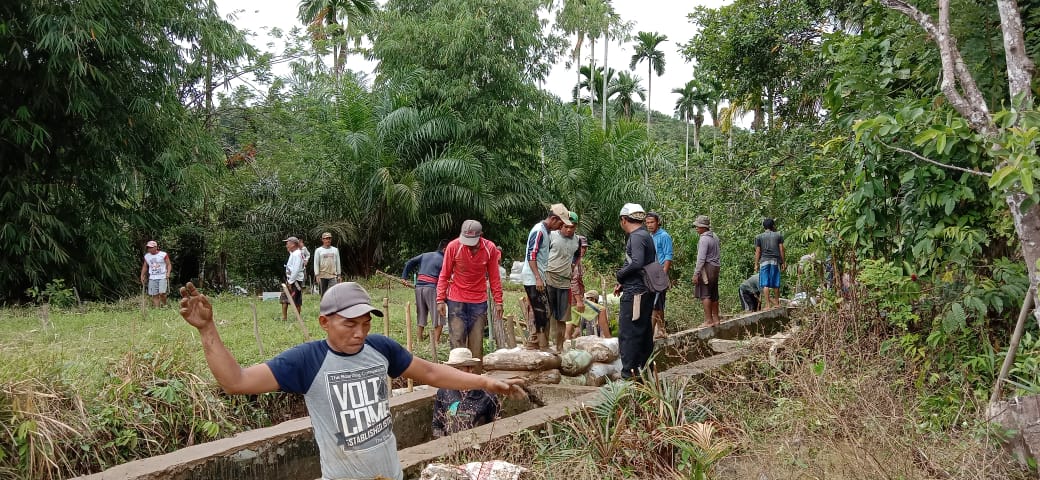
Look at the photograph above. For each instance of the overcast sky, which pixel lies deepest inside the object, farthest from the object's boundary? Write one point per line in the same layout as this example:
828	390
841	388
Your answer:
663	16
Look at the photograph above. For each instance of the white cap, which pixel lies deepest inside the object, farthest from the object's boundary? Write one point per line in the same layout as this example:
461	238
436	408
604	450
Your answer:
631	208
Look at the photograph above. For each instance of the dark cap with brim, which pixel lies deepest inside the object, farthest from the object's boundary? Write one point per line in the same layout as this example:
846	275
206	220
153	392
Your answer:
349	300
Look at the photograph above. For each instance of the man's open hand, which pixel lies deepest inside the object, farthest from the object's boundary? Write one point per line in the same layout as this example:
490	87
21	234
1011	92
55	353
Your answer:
195	307
512	387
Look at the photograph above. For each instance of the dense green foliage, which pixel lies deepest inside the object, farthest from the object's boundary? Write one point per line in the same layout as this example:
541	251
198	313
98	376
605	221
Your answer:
111	134
99	143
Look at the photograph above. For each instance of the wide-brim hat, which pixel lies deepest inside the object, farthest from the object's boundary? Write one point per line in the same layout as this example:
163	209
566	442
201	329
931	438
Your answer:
461	357
702	221
349	300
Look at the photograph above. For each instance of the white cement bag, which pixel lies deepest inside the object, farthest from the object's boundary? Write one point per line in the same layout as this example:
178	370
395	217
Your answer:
575	362
603	350
491	470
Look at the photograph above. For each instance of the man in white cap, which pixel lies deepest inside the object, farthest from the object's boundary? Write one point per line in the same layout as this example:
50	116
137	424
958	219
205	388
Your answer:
470	265
457	410
294	272
326	264
343	379
536	260
635	325
155	273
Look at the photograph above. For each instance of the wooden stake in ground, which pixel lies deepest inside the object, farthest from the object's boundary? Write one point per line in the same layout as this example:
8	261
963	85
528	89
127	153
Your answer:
45	315
408	333
299	319
256	329
386	316
1020	327
510	326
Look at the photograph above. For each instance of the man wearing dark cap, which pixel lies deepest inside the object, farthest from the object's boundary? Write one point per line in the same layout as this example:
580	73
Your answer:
343	379
470	265
663	245
706	273
294	272
635	326
536	260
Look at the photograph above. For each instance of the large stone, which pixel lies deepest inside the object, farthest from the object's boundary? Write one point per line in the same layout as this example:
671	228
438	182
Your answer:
1020	416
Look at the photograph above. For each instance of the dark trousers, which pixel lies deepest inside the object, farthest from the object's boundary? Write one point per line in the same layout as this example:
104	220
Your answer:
635	335
540	307
325	284
748	300
466	323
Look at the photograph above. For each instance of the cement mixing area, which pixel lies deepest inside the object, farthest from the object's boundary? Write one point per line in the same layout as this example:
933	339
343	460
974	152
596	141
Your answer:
287	451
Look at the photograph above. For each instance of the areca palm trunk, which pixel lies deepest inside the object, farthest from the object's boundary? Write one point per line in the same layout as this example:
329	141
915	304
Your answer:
649	90
687	147
592	76
603	98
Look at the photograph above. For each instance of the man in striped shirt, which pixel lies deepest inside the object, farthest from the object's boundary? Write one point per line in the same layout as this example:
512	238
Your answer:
536	259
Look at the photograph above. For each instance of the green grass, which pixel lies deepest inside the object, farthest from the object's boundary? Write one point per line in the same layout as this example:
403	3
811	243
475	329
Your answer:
81	343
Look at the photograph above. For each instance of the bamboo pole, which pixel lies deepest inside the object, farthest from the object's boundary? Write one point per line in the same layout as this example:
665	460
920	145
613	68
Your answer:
1027	307
256	329
299	318
386	316
396	279
408	333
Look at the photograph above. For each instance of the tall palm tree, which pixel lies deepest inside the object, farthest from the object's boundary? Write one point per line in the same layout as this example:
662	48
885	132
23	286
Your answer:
646	50
625	87
594	84
690	106
333	18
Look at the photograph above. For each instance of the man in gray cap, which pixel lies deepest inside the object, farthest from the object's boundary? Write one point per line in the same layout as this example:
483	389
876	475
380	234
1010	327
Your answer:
343	379
294	272
469	267
706	273
635	323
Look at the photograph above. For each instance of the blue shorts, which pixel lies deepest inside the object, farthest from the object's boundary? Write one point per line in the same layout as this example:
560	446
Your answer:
769	276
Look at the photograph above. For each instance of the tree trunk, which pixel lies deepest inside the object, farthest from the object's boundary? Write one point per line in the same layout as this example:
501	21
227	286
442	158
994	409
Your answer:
1027	226
603	99
687	152
1020	67
649	88
592	77
697	121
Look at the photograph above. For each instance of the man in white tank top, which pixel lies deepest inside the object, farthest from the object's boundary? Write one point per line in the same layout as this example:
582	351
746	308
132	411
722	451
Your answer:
155	273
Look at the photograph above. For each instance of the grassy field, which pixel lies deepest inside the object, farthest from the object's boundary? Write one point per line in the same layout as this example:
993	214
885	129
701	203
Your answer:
79	343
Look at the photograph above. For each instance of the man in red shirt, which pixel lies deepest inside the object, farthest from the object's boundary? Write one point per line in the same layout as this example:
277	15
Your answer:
470	264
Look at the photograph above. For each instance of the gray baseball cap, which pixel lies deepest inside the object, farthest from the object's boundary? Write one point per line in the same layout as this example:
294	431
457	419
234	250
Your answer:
348	300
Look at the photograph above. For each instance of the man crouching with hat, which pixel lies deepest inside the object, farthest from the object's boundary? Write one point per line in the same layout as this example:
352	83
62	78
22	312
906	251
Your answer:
343	379
458	410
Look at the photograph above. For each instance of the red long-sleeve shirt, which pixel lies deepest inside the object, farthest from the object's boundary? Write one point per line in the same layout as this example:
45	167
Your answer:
465	274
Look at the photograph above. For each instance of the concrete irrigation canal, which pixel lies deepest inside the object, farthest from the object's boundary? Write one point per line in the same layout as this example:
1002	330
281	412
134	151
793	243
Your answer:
287	451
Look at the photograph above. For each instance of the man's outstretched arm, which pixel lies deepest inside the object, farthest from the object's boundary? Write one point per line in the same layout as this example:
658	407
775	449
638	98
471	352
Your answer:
443	376
197	311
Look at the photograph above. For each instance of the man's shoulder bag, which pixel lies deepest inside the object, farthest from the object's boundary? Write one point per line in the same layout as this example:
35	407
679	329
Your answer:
655	278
